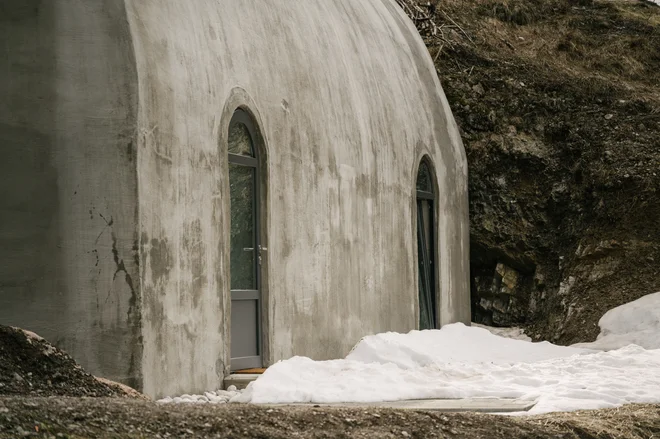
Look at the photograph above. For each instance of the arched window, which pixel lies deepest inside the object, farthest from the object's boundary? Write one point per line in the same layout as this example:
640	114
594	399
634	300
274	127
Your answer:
426	248
245	244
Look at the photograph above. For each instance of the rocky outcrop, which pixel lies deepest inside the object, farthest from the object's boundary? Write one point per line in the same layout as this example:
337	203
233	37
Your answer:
500	297
557	102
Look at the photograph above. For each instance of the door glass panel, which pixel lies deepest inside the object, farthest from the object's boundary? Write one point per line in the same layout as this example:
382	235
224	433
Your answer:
242	190
240	141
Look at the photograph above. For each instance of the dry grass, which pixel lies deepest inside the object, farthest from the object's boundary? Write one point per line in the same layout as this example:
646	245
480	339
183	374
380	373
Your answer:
555	34
630	421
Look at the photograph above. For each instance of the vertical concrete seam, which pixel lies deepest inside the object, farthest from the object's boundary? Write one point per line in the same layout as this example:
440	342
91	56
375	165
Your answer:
136	306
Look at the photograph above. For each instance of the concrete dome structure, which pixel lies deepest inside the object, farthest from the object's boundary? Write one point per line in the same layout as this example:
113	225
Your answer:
196	187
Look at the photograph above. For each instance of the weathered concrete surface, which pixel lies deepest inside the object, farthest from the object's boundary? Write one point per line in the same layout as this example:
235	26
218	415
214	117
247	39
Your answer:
348	102
68	196
115	208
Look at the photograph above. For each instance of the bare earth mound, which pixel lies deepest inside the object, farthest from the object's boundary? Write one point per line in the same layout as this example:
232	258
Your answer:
30	366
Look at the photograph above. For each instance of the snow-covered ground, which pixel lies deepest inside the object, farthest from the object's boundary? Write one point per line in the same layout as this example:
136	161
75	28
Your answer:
514	333
470	362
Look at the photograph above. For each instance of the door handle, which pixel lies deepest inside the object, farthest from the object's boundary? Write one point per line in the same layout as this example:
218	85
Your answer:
248	249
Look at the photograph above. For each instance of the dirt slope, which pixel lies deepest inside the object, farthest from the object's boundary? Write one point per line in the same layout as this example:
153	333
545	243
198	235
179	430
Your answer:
559	106
31	366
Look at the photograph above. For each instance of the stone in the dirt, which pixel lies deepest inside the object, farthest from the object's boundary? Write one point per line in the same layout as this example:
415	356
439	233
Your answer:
566	285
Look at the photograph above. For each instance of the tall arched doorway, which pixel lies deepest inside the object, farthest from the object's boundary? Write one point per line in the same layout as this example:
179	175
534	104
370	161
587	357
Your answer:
426	247
245	245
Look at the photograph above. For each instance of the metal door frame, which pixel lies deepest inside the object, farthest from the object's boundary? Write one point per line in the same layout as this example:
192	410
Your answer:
427	194
430	252
242	117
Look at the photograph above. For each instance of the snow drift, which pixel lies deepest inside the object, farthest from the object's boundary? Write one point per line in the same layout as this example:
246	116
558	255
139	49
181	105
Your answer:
635	323
452	344
462	362
470	362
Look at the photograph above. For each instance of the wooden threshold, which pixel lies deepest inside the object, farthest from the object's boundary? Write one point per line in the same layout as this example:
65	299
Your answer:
256	371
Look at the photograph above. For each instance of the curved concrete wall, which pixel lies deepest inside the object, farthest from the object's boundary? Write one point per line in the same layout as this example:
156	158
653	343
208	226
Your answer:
68	209
348	102
115	202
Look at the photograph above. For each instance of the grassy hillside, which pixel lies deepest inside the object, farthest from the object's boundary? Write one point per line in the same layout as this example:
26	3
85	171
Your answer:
559	106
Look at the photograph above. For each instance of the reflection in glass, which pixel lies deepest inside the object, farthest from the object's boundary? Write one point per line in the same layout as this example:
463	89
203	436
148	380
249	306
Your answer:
425	246
240	141
242	189
425	259
424	178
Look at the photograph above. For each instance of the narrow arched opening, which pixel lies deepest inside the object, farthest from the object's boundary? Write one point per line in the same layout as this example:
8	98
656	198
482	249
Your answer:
426	245
246	250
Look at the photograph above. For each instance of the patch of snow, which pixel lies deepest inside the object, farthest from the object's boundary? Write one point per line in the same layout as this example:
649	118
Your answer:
635	323
513	333
455	343
605	379
622	366
464	362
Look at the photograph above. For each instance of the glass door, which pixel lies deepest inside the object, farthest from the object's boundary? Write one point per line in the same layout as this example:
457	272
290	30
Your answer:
245	247
426	248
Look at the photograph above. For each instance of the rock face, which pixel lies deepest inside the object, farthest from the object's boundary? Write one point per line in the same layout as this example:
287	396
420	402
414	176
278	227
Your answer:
500	297
557	102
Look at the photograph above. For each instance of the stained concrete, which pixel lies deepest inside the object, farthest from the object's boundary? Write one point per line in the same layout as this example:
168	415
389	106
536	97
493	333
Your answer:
68	197
348	102
124	107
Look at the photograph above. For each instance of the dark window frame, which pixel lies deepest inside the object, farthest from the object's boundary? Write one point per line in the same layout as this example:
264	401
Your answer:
241	116
429	254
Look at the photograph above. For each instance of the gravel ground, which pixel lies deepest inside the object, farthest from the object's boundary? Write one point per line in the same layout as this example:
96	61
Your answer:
130	418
